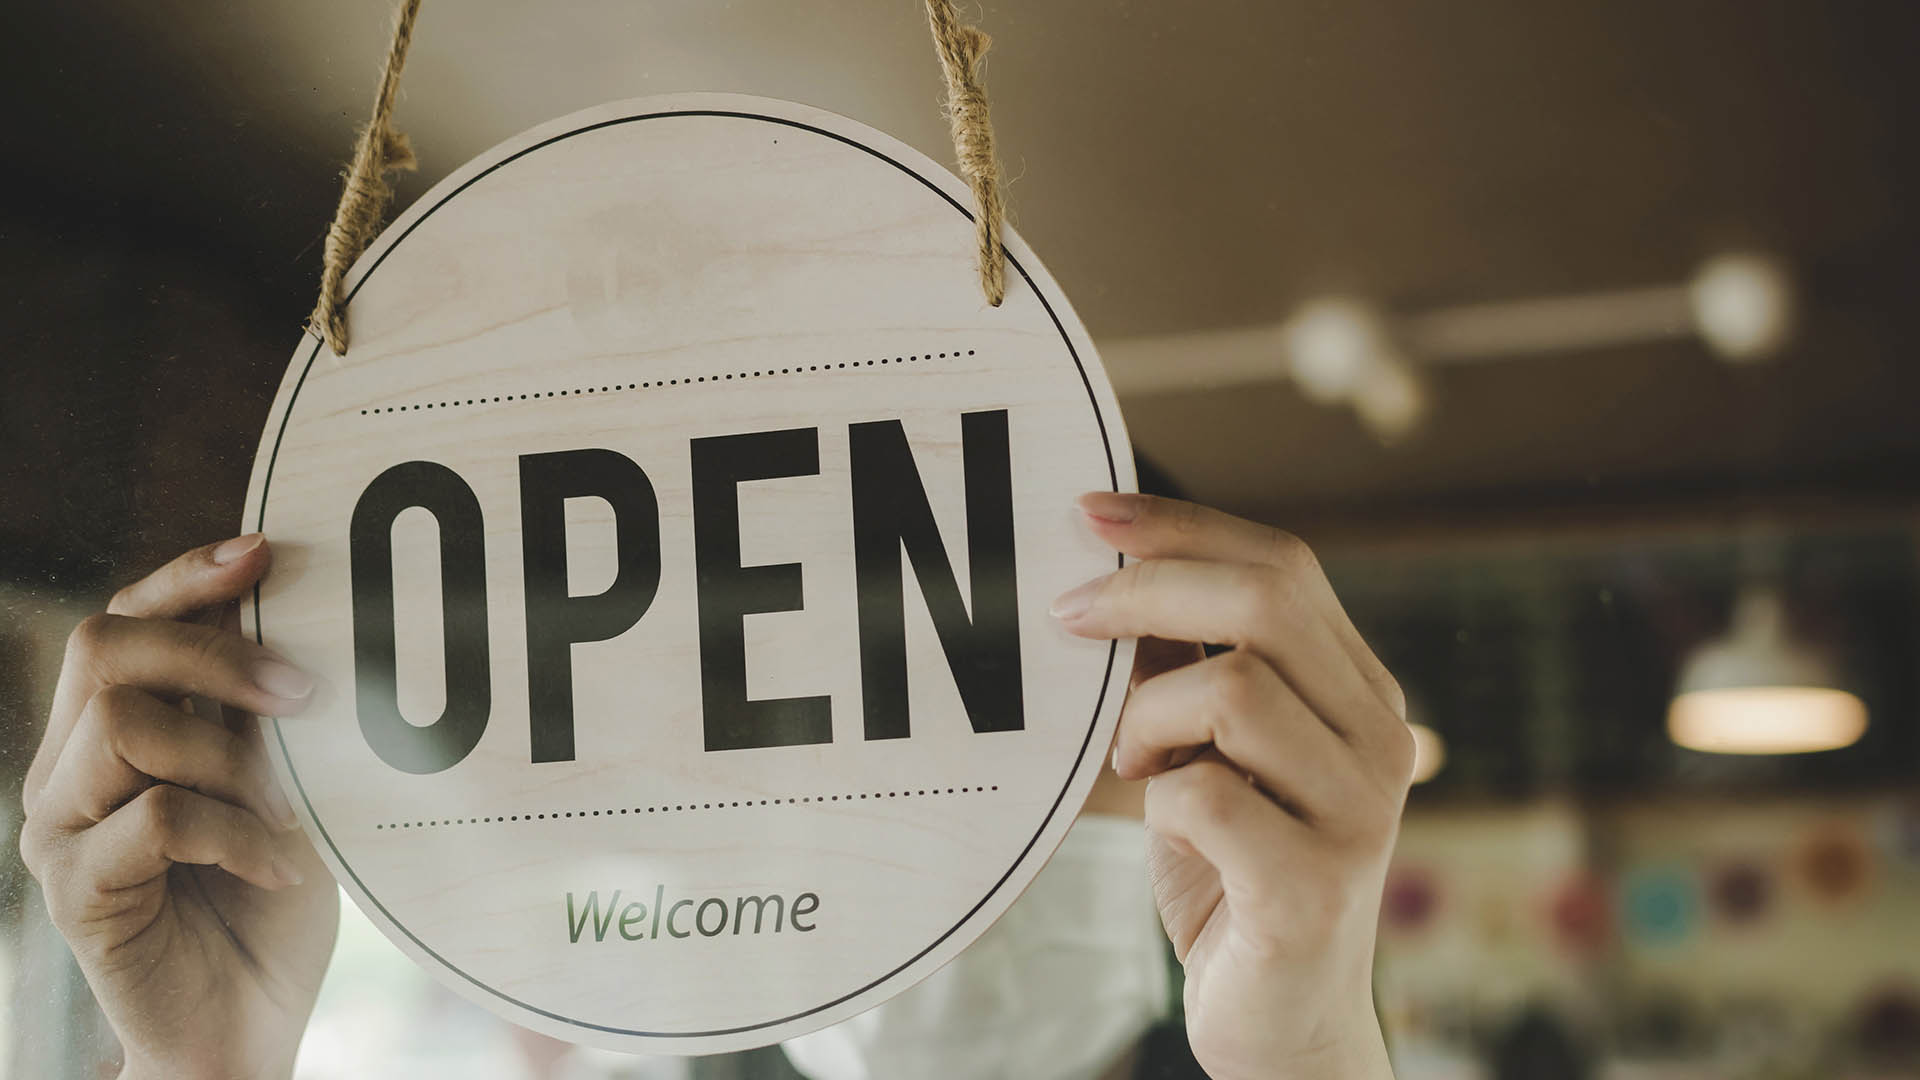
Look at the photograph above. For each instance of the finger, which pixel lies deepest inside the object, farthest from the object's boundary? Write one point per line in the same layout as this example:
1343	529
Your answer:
127	740
167	825
179	659
1212	810
201	578
1150	527
1249	607
1241	707
162	657
1157	656
1186	889
226	617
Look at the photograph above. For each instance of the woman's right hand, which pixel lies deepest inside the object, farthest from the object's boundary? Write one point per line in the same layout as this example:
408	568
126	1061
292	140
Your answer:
170	860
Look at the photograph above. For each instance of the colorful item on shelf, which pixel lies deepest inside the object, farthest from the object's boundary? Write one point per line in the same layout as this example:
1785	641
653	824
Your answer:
1580	914
1740	892
1411	899
1834	862
1659	905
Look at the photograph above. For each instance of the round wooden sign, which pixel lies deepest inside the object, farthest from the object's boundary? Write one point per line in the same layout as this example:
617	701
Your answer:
673	550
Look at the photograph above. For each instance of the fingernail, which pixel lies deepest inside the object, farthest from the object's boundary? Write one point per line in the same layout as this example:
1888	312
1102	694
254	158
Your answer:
281	679
285	871
279	807
1074	602
233	550
1115	506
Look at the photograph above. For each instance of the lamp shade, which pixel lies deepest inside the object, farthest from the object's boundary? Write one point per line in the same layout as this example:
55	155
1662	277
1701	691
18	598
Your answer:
1757	691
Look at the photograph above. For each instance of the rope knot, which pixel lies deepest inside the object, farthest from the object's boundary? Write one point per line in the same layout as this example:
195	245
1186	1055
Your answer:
963	50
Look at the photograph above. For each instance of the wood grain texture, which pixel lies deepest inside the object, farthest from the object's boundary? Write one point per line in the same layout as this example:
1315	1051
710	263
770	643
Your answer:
635	277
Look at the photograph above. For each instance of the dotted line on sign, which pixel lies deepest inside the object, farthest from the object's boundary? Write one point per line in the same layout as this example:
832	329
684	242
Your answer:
677	808
658	384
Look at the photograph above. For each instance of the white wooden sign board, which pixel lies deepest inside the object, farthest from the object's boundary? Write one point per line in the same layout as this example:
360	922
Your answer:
673	551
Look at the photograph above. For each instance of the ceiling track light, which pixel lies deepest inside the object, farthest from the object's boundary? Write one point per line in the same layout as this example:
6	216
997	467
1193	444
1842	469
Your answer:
1345	352
1741	305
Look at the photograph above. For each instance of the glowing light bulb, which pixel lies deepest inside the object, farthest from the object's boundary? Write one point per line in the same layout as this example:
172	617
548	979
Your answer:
1331	346
1391	401
1766	719
1743	305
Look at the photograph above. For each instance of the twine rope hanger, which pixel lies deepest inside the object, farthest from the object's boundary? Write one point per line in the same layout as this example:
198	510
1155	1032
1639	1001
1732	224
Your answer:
381	150
364	199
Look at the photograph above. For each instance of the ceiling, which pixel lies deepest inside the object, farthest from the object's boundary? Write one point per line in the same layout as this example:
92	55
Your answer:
1180	166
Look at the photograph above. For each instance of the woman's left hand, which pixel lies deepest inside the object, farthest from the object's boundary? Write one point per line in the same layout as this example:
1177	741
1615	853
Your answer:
1277	772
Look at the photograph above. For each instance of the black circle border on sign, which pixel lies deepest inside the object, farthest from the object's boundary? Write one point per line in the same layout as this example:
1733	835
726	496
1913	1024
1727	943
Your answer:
1112	648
